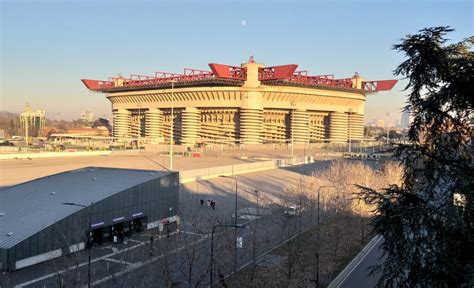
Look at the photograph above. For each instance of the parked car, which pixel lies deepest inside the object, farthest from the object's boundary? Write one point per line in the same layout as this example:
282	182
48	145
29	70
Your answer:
293	210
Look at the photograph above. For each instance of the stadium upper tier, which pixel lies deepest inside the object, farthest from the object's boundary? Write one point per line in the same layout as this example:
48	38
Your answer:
250	104
225	75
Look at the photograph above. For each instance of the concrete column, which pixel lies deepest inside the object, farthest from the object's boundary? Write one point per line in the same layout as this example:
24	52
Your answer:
251	122
154	125
122	123
338	128
356	125
251	110
300	126
191	125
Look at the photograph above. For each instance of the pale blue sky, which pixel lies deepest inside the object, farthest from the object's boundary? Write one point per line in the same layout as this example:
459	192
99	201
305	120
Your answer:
48	46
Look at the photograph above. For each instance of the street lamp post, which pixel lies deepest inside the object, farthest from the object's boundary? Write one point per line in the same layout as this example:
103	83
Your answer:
89	244
350	130
211	279
235	221
318	234
139	126
388	115
172	124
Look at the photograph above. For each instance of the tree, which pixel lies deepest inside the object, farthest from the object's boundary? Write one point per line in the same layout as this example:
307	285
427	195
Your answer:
429	237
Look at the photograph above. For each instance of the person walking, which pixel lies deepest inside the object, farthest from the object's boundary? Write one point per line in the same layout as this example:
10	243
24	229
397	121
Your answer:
167	228
152	239
202	202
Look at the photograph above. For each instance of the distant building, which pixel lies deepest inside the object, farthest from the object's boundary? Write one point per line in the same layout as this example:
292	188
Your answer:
87	116
397	123
405	121
380	123
32	122
99	131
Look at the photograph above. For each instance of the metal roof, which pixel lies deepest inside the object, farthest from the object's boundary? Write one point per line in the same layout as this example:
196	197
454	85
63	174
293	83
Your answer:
27	208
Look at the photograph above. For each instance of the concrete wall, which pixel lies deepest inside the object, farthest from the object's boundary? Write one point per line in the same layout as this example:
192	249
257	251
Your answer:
214	172
52	154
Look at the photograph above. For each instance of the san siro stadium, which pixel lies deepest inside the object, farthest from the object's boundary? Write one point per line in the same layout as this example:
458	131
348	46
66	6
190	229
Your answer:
250	104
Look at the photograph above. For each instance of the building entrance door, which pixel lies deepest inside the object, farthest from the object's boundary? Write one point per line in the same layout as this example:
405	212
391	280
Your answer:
136	225
97	236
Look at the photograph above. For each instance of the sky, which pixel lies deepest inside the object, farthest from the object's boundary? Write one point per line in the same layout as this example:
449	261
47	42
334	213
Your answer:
48	46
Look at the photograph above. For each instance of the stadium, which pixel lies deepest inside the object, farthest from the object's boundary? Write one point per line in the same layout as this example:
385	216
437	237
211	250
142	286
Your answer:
250	104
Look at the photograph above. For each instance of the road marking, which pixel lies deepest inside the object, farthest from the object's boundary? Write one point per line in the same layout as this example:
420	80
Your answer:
76	266
139	265
136	241
135	266
115	250
193	233
118	261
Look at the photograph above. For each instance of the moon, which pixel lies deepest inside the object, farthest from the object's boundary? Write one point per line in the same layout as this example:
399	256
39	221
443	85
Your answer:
243	22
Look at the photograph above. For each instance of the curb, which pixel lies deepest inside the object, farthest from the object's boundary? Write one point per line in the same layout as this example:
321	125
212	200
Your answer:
354	263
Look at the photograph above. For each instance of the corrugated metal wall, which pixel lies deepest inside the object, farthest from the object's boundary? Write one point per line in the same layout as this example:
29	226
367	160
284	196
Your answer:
152	198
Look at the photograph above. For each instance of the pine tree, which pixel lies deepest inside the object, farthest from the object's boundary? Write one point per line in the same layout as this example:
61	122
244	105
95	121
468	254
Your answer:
427	222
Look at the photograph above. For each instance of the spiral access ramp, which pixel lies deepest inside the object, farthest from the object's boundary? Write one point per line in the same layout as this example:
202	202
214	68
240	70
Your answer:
338	123
300	126
191	125
154	124
251	121
356	126
122	123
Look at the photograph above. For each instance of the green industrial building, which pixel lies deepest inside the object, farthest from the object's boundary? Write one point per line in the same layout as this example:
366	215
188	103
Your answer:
52	216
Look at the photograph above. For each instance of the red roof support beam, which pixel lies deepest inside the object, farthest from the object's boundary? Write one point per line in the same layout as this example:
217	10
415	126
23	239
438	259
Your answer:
228	72
96	84
277	72
380	85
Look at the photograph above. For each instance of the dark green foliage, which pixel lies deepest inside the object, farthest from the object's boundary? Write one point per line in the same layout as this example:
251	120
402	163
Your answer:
429	235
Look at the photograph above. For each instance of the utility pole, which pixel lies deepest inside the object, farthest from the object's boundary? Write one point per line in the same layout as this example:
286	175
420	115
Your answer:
318	232
350	130
211	272
89	243
139	127
172	124
26	131
235	221
388	114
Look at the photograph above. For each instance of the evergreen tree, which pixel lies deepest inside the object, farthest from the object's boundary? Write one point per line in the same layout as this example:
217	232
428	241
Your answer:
427	222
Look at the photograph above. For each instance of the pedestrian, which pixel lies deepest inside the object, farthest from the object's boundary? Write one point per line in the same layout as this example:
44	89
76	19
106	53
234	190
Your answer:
167	228
208	203
151	245
213	204
202	202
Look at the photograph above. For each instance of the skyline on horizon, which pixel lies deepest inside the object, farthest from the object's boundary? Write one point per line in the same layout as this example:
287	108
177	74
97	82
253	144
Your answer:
48	46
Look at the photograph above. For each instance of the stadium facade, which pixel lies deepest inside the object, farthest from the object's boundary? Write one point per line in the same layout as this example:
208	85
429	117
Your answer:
250	104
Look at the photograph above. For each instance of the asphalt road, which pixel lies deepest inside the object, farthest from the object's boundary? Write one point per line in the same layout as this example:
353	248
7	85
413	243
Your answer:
360	275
